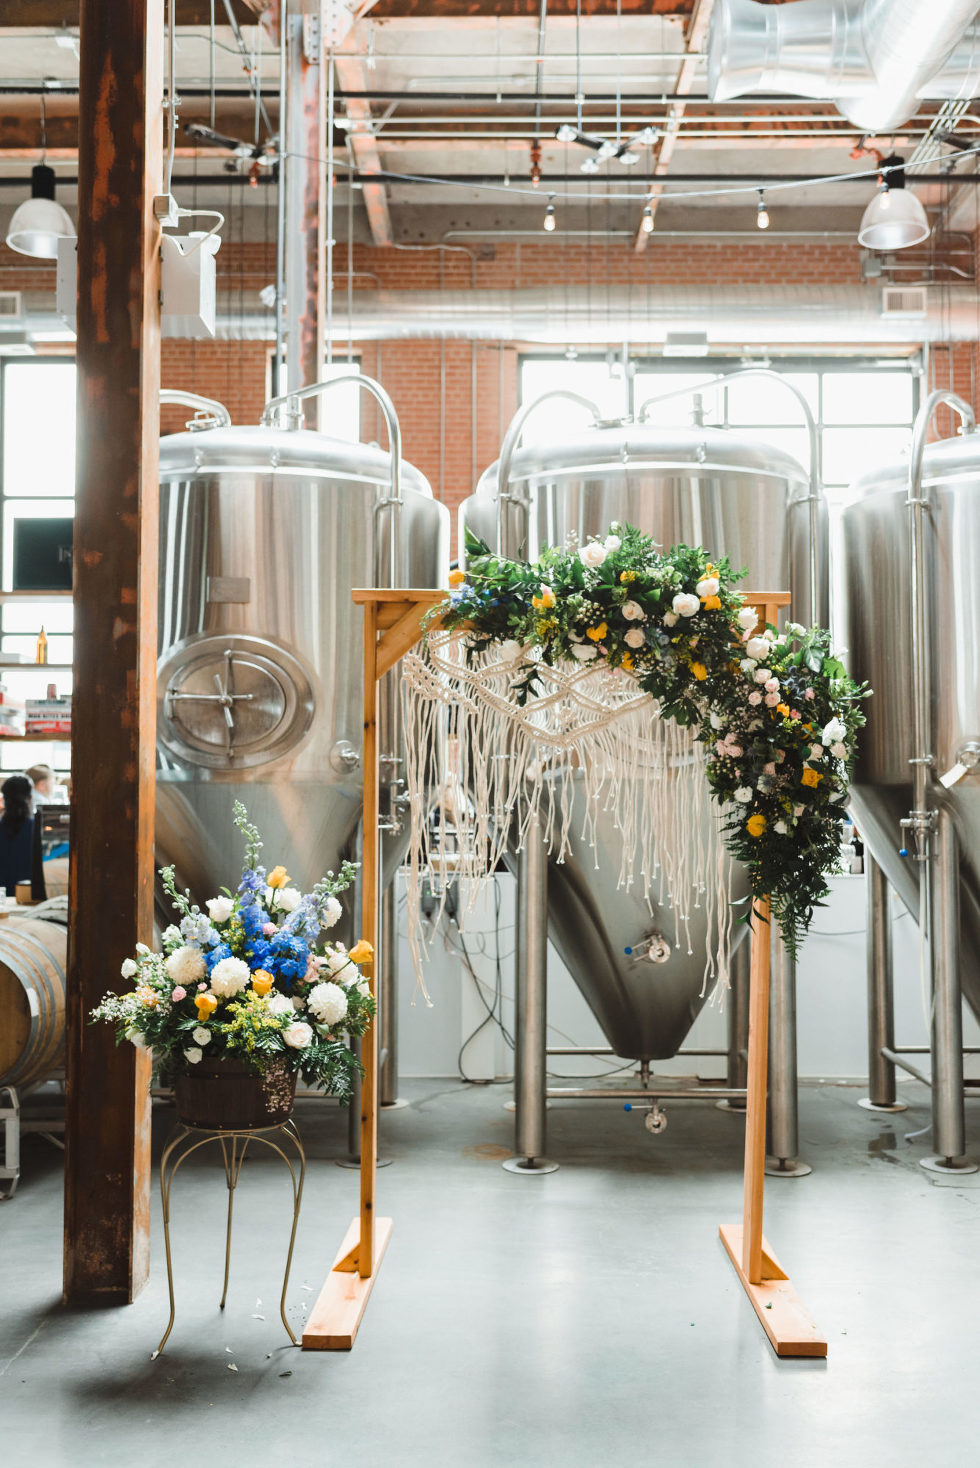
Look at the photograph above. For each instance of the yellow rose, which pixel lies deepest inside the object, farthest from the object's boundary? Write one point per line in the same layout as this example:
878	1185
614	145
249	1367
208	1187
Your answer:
755	825
206	1004
783	708
456	578
711	603
700	671
812	778
262	981
362	952
597	633
278	877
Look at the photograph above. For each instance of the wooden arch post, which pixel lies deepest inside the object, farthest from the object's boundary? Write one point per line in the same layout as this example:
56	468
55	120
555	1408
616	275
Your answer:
392	626
778	1306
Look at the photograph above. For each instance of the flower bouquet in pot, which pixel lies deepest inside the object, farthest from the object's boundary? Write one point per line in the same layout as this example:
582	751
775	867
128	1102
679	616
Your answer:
248	996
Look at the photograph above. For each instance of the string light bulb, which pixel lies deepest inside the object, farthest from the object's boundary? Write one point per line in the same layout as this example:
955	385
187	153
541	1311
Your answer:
762	213
550	221
646	222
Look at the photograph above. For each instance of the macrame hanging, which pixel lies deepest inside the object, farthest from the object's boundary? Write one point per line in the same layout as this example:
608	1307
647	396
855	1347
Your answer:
588	740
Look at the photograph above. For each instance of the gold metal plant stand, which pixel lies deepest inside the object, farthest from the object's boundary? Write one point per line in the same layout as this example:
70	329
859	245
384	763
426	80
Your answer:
233	1147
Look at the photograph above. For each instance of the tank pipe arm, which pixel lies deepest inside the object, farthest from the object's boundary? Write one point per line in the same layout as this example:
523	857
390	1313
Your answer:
513	437
210	406
816	466
920	821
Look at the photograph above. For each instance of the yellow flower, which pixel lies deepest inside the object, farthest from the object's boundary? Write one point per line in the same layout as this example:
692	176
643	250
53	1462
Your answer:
361	952
627	662
262	981
710	570
755	825
456	578
700	671
206	1004
146	996
545	599
711	603
597	633
626	577
278	877
783	708
812	778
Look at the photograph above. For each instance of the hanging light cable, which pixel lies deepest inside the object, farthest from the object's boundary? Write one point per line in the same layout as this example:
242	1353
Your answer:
761	212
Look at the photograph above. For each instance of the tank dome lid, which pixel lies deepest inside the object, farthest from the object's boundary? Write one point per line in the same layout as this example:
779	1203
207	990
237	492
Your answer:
260	450
951	458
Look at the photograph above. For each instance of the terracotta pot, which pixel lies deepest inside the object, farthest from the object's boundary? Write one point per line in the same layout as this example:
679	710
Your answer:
225	1095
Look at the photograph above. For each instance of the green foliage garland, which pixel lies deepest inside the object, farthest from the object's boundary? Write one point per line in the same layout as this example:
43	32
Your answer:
777	712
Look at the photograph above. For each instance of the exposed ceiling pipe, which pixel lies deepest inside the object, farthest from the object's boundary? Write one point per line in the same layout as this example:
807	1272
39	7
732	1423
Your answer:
873	58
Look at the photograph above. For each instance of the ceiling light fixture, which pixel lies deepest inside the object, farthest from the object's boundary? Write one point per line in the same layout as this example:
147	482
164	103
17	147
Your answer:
535	163
646	222
39	223
550	221
895	219
761	212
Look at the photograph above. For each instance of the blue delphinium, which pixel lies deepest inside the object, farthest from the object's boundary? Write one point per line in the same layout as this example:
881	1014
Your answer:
252	918
253	880
215	955
197	928
288	957
258	954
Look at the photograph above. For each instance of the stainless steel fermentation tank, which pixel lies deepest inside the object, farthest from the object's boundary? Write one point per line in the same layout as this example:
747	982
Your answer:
911	548
264	532
736	496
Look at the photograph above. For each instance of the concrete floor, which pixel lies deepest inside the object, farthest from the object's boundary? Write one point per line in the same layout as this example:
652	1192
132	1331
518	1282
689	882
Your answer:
574	1320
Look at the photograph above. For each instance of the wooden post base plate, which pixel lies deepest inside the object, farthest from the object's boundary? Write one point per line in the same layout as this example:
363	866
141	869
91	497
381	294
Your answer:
784	1316
335	1317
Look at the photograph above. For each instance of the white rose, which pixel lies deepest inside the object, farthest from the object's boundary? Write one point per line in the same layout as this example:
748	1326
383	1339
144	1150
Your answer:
833	732
298	1035
816	751
592	554
670	619
219	909
336	958
762	675
686	604
772	685
781	828
715	720
633	612
280	1004
129	969
744	795
193	1054
748	665
328	1003
708	587
635	637
201	1036
839	751
229	977
612	542
331	912
758	648
185	966
584	652
289	899
748	618
795	629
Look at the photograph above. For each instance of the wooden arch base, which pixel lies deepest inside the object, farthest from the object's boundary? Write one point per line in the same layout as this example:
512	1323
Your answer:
780	1309
392	626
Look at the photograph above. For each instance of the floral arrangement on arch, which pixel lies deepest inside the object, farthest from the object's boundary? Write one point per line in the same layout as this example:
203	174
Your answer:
777	712
251	978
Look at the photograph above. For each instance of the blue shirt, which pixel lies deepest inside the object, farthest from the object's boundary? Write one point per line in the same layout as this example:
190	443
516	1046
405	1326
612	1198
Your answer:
16	853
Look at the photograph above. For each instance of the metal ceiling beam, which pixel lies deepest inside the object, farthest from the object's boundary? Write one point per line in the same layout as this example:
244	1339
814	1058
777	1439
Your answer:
57	14
696	32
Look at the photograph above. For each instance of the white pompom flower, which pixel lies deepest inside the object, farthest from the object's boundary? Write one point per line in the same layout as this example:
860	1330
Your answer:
129	969
229	977
201	1036
219	909
331	912
298	1035
186	966
193	1054
327	1003
686	604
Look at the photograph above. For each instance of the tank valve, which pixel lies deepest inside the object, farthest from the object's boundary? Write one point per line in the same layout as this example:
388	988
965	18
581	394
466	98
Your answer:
344	757
655	1120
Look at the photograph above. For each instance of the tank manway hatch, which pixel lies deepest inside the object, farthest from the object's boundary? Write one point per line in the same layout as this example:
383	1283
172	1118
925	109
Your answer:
232	702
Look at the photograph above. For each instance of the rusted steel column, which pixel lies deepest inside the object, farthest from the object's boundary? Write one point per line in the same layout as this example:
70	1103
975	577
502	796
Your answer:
107	1161
306	283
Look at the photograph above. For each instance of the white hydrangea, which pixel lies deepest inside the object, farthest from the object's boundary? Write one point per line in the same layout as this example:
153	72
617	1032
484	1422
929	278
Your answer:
129	969
328	1003
219	909
201	1036
298	1035
748	618
280	1004
635	637
193	1054
686	604
633	612
229	977
331	912
185	966
289	899
744	795
592	554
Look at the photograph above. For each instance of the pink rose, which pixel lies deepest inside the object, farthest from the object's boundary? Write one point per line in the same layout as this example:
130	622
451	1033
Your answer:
771	700
755	696
795	714
269	930
201	988
772	685
179	993
770	768
809	693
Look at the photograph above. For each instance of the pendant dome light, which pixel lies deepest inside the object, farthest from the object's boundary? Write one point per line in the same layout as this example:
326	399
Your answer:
39	223
895	219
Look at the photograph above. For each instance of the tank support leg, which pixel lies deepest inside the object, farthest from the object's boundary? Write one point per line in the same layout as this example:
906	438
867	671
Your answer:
530	1056
784	1141
738	1025
948	1120
387	1009
881	994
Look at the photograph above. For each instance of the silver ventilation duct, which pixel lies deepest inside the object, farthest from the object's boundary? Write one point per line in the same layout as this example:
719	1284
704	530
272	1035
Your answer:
875	59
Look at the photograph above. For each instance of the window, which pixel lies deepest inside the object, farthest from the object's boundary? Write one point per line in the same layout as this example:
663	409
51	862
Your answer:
342	406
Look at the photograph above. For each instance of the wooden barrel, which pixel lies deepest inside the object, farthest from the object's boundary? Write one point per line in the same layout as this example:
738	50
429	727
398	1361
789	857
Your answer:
32	1000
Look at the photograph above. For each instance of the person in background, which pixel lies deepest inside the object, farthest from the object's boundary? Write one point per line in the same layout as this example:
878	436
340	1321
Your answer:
46	792
16	832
